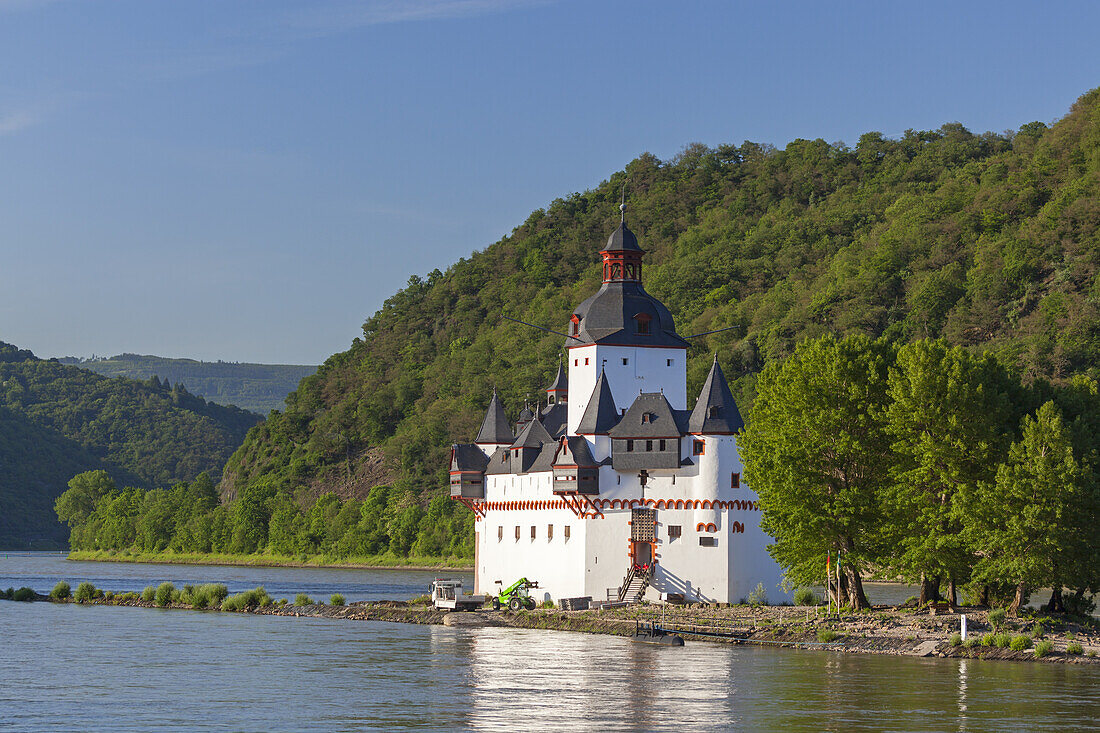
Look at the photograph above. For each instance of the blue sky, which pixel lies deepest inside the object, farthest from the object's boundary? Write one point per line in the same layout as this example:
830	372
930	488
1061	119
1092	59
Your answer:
248	181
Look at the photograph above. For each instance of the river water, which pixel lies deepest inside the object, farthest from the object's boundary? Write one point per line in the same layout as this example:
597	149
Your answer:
124	669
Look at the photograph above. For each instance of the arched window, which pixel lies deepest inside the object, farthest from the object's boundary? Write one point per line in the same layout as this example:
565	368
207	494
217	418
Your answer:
641	323
576	325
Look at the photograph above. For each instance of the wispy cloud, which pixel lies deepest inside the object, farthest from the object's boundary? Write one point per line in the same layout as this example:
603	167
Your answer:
347	16
14	122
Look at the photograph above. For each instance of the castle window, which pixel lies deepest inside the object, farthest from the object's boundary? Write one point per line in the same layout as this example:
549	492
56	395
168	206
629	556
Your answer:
641	323
549	532
674	531
576	362
714	411
647	417
576	322
735	480
662	444
649	445
668	362
708	542
626	361
586	361
517	533
532	531
500	534
698	447
629	446
565	531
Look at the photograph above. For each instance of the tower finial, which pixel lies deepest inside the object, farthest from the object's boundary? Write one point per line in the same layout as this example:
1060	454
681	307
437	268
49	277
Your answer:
622	204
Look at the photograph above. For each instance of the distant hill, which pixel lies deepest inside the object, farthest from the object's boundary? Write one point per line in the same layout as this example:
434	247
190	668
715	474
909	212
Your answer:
989	240
58	420
259	388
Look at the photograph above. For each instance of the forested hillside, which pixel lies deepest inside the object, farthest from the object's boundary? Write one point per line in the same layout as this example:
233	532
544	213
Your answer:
58	420
988	240
259	388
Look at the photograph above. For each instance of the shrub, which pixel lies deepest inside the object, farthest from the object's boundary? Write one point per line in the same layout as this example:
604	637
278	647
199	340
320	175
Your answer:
989	639
164	594
972	641
758	596
424	600
85	593
1002	640
24	594
248	599
1037	631
302	600
805	597
997	618
108	595
337	600
1042	648
955	639
546	604
827	635
61	591
149	594
282	602
1019	643
1090	653
1073	647
8	594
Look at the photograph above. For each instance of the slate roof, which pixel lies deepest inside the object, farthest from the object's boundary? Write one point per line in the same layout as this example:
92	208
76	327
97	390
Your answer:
533	436
554	418
561	381
649	417
467	457
495	427
622	239
575	452
715	411
608	317
601	414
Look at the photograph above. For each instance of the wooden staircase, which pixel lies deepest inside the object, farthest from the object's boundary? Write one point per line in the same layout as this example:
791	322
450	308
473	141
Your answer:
635	584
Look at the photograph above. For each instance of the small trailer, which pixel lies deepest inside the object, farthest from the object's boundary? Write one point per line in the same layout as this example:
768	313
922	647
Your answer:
447	596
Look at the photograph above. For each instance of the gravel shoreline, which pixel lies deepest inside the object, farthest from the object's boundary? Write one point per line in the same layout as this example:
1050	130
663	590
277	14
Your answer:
882	630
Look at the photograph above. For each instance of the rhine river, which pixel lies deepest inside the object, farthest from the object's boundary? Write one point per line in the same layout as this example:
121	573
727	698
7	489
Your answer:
125	669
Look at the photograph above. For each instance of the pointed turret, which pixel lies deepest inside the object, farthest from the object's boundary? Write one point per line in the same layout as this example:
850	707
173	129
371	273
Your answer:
495	429
715	411
601	414
558	391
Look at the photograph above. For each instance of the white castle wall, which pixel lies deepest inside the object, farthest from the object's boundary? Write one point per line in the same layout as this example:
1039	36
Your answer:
647	369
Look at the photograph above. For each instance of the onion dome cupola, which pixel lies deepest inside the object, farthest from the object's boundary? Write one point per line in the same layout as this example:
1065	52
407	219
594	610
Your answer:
495	429
558	391
622	312
601	414
715	411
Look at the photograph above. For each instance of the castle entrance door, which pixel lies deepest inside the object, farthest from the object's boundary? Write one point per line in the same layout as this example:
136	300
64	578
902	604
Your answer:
643	535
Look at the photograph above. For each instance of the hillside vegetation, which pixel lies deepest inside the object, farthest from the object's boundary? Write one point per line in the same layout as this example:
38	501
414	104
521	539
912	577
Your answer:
987	240
258	388
58	420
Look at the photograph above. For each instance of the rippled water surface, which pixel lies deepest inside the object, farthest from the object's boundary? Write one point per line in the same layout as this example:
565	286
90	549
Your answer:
105	668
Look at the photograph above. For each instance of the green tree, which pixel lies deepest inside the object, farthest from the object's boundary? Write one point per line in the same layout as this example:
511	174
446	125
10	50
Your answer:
817	453
1019	523
951	419
85	489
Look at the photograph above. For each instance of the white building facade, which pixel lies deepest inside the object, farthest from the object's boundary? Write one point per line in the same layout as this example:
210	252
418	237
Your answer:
616	489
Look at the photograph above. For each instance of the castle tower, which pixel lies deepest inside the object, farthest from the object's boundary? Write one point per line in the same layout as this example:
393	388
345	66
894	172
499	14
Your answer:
626	334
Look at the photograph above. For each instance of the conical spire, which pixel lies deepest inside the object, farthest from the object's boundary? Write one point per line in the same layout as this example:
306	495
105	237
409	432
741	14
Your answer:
494	428
561	381
532	436
715	411
600	415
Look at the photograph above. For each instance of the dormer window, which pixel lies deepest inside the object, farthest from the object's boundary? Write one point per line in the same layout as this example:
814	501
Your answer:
575	325
714	411
641	323
647	417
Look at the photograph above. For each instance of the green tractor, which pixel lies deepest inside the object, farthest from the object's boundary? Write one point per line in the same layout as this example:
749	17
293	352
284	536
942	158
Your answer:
516	595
